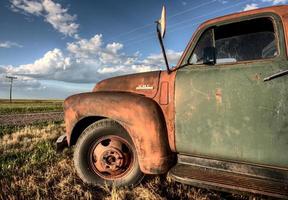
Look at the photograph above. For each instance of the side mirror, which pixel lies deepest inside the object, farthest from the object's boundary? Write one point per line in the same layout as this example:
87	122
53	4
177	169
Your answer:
161	29
209	55
161	23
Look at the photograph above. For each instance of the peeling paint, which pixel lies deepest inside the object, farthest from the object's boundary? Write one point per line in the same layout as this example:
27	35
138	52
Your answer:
218	96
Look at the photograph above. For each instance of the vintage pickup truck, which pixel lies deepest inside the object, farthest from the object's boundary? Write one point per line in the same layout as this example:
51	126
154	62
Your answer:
219	119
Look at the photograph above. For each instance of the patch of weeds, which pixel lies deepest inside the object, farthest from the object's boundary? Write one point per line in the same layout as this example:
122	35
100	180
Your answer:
9	129
43	154
13	163
10	162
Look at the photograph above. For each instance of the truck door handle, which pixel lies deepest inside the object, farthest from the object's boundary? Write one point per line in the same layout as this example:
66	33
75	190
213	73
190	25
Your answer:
277	75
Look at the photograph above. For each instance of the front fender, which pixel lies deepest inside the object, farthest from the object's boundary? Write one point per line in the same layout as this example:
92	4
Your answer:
139	115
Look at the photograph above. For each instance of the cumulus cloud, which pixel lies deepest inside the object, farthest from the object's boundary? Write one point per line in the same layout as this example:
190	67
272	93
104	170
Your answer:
88	61
86	48
8	44
22	82
2	69
47	65
157	59
275	2
52	12
114	47
251	6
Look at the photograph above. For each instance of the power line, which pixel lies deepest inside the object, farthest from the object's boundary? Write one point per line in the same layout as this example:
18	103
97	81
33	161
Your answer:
213	12
192	8
146	38
174	26
170	17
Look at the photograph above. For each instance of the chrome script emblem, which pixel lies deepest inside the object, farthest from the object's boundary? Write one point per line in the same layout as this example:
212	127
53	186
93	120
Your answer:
144	87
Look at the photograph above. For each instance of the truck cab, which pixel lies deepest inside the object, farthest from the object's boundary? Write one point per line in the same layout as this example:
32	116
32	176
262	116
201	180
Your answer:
219	119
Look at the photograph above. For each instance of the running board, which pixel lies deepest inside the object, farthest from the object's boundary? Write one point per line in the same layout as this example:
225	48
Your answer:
229	176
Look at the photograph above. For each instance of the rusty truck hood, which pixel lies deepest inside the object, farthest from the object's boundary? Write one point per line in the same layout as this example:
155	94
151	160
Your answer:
141	83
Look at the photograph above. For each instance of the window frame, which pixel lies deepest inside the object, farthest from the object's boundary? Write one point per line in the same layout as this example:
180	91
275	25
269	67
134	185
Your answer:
278	31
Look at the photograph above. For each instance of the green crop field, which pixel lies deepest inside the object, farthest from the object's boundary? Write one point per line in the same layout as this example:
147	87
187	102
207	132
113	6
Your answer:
30	168
30	106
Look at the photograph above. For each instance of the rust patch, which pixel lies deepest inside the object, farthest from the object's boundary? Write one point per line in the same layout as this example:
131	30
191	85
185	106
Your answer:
218	96
164	93
285	25
168	109
141	83
145	123
257	77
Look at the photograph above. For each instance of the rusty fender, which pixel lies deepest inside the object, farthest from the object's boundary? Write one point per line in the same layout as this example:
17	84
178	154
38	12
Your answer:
139	115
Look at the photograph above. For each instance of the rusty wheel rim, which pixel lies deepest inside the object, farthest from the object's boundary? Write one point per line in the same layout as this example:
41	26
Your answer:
111	157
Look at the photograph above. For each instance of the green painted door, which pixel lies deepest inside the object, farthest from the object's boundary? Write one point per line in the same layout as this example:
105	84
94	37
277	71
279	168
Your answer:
229	112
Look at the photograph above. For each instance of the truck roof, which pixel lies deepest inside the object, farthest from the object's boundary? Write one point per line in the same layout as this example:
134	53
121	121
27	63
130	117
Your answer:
280	10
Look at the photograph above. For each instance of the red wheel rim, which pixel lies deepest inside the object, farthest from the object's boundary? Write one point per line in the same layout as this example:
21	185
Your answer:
111	157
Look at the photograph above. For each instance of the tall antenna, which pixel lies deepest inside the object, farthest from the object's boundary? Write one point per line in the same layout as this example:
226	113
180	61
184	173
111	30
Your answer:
11	83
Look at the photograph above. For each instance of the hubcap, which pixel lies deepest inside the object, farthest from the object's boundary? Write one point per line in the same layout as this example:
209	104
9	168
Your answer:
111	157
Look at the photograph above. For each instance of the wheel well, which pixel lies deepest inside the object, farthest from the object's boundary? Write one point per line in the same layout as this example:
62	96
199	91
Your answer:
81	126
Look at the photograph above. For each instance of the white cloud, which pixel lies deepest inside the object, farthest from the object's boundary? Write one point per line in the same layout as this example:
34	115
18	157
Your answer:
22	82
59	18
3	69
85	48
8	44
275	2
88	61
52	61
251	6
52	12
157	59
32	7
114	47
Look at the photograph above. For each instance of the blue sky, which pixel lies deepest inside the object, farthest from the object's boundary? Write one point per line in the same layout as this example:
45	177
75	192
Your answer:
60	47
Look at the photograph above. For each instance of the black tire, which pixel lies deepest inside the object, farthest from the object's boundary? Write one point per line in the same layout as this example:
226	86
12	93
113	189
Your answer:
85	149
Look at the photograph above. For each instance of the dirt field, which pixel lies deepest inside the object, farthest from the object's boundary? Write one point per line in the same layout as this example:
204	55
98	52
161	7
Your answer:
30	168
15	115
26	119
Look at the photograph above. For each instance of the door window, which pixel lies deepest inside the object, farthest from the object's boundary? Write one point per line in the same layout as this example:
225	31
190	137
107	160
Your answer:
242	41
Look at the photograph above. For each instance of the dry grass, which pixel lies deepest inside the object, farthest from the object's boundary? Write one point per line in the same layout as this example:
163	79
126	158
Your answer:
31	169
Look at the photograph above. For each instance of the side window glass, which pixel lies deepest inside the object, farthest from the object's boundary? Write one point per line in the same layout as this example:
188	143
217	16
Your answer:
205	41
252	39
248	40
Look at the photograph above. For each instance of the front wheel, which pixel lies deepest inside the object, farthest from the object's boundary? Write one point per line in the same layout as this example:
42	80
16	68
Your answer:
105	153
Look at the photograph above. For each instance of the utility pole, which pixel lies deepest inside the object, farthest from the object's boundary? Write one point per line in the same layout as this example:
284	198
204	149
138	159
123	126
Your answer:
11	83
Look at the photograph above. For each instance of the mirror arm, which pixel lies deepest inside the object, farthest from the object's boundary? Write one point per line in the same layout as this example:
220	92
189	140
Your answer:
163	48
